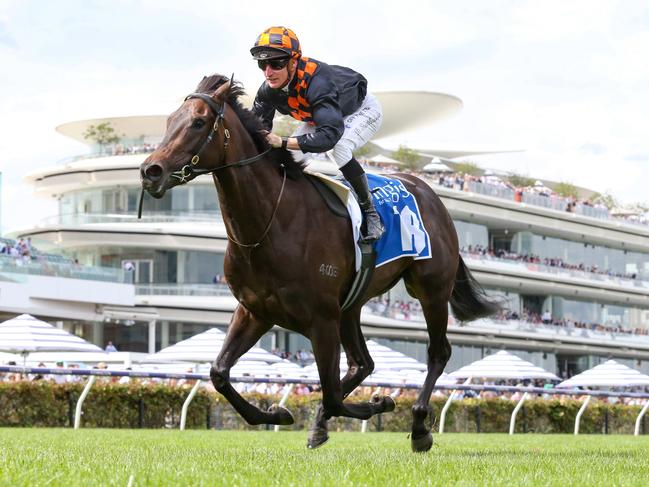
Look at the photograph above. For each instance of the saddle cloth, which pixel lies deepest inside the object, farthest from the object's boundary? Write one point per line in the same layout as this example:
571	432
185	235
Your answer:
405	235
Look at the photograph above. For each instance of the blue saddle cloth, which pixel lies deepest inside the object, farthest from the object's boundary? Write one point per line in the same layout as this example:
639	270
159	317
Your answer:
405	235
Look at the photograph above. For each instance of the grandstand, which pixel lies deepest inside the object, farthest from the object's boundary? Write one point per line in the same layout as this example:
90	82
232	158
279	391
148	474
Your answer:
575	277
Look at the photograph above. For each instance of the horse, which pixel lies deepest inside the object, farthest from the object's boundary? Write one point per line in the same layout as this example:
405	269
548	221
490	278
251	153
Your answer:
290	260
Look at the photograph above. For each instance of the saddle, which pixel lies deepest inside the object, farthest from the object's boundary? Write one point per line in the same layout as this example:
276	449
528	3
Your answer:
328	188
331	199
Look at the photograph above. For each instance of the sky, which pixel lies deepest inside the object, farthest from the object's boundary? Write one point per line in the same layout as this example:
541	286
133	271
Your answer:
567	81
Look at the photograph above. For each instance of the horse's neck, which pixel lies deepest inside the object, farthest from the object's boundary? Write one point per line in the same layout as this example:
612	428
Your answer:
248	194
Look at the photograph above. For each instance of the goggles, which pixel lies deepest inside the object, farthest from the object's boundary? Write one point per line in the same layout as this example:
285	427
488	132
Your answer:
275	64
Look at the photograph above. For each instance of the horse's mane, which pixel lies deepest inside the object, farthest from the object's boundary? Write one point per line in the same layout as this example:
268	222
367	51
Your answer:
252	123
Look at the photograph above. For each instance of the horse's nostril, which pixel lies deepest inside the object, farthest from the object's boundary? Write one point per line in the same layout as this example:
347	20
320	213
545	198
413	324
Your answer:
153	172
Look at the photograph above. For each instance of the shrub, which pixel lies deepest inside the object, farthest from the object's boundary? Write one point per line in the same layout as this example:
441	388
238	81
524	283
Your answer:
133	405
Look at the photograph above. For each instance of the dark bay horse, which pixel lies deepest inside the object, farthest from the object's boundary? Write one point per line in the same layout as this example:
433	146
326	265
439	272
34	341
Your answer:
290	260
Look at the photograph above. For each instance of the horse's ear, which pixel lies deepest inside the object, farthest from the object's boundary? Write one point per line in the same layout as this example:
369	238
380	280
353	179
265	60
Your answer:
222	92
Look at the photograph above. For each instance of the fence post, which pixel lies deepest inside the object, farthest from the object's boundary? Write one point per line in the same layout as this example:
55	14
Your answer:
364	422
442	416
640	419
86	390
283	400
579	414
478	418
512	420
183	412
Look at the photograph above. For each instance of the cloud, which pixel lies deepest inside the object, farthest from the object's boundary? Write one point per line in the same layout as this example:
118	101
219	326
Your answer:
564	80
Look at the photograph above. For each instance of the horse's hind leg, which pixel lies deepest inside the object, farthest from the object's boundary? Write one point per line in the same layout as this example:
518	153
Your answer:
434	303
244	331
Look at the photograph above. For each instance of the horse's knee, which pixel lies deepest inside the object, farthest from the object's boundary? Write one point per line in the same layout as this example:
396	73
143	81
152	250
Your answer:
419	412
220	376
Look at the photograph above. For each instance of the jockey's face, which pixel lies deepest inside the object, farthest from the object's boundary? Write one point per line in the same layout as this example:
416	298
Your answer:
279	78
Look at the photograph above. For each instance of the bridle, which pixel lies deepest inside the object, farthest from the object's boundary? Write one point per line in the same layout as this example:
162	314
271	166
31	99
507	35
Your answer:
190	170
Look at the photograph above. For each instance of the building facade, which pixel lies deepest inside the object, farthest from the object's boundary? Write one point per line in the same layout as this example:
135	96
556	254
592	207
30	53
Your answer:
598	299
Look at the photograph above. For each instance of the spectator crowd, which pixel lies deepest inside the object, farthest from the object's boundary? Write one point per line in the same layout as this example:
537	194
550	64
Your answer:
489	253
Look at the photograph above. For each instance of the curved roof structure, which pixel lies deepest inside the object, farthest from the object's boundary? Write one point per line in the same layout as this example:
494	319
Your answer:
402	111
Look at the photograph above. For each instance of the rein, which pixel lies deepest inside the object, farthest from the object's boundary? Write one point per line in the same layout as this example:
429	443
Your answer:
189	170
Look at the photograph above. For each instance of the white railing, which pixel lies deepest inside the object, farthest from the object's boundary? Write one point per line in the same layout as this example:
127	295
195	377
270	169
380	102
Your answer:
93	373
218	289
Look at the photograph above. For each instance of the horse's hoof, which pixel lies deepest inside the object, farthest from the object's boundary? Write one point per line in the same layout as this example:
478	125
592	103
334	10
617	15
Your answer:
284	415
389	403
317	438
421	444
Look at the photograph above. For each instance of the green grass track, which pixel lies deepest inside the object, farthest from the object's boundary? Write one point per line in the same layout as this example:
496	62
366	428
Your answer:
65	457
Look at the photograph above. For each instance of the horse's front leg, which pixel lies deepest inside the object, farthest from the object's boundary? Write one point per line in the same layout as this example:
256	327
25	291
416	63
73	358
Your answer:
244	331
360	365
326	348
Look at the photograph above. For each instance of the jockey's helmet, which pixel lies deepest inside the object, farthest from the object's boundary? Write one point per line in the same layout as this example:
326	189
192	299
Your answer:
276	43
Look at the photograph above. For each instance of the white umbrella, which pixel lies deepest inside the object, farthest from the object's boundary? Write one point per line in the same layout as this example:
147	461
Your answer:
25	334
418	378
390	364
381	159
608	374
502	365
205	347
436	167
387	359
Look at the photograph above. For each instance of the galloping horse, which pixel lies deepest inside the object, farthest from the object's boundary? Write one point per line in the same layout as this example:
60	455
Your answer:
280	234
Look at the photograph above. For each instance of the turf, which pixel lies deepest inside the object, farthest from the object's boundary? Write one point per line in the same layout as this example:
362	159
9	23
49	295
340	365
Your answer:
155	457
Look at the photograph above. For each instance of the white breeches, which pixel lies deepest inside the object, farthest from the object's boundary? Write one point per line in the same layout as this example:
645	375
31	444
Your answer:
360	127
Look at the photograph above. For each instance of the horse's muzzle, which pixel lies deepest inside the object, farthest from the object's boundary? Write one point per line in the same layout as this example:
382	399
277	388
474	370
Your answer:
152	176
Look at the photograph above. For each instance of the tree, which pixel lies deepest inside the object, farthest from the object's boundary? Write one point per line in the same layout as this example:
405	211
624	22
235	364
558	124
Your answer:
409	157
363	151
568	190
102	134
284	126
605	199
519	181
468	167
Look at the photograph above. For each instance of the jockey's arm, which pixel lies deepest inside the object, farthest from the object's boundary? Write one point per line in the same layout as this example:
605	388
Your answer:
327	116
264	110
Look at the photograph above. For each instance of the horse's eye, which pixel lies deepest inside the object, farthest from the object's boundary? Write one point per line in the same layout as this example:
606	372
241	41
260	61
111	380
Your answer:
198	123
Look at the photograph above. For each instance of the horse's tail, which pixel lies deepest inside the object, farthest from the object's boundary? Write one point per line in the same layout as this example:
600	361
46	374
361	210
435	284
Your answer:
469	301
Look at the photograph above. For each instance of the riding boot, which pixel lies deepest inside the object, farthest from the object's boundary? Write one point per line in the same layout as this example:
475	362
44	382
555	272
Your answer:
372	228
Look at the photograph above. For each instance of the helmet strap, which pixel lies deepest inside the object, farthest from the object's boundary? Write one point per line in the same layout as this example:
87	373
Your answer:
289	77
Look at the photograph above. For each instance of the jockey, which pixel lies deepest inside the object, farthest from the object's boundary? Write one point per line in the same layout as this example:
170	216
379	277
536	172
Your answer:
332	103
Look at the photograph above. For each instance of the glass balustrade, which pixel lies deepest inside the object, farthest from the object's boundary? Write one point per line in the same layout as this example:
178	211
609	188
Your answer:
46	267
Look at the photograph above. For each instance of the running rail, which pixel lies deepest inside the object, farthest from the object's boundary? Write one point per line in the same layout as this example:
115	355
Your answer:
280	380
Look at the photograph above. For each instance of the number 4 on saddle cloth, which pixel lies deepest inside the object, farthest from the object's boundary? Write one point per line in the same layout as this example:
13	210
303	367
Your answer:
405	235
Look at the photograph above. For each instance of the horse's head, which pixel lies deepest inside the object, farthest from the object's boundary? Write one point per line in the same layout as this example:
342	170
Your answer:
193	143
